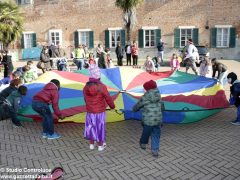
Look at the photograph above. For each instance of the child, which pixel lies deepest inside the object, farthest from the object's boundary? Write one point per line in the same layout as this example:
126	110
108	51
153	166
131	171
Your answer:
48	95
7	80
13	101
205	68
96	96
14	84
152	107
33	69
149	65
28	75
174	63
62	64
109	62
235	95
222	71
91	59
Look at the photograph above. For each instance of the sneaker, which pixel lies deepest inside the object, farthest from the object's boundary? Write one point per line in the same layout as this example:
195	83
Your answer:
155	153
91	146
17	125
237	123
101	148
53	136
44	135
143	146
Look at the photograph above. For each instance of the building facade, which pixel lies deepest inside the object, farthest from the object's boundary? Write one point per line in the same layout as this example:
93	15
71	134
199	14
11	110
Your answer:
213	23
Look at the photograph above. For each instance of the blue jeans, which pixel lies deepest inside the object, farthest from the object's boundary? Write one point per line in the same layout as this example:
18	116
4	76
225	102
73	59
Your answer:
155	133
238	114
44	111
13	115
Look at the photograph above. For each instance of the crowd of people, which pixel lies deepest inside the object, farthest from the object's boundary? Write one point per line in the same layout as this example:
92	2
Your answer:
95	92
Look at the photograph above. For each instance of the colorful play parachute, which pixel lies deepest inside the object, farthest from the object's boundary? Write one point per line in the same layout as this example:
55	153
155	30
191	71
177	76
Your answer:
187	98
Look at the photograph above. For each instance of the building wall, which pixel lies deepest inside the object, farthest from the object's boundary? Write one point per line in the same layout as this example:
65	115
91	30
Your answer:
98	15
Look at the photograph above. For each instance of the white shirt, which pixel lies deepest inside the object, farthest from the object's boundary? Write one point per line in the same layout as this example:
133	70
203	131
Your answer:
192	51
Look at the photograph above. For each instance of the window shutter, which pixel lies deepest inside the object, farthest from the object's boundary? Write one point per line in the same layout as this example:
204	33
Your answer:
140	38
91	39
76	39
19	2
213	37
232	38
195	36
34	40
107	42
158	35
177	38
123	38
22	41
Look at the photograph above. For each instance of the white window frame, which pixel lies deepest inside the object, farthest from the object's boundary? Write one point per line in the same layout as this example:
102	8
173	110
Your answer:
25	33
50	36
25	2
185	28
149	28
80	31
111	30
222	27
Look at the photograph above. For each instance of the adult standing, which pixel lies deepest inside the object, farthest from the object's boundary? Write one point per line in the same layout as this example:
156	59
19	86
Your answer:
191	57
128	53
134	52
119	54
79	56
160	48
7	63
44	63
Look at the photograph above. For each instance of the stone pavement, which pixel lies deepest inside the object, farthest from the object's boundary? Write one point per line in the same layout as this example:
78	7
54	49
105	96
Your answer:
208	149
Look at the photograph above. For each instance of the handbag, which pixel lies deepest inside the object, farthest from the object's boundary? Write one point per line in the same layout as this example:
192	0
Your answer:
40	65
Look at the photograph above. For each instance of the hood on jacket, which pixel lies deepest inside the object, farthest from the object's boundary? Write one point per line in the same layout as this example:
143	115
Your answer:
153	95
50	86
92	88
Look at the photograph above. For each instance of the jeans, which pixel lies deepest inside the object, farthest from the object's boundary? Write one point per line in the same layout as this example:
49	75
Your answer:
155	133
135	60
44	111
13	115
128	59
160	55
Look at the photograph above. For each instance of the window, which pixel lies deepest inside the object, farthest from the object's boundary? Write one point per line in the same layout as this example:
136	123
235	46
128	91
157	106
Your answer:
28	40
22	2
223	37
84	37
150	38
115	38
185	35
55	36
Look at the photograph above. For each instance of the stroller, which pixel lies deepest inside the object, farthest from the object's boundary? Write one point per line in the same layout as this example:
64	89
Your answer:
156	63
62	64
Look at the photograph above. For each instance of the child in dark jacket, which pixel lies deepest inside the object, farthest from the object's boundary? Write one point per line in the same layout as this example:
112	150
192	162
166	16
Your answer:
48	95
13	102
235	95
151	106
96	97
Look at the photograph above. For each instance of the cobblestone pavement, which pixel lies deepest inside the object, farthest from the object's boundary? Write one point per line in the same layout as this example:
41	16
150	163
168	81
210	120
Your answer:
208	149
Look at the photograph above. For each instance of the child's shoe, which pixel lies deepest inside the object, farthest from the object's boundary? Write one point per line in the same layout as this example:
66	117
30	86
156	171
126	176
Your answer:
236	123
91	146
101	148
143	146
53	136
44	135
17	125
155	153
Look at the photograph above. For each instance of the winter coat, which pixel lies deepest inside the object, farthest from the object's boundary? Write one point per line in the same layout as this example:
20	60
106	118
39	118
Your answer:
97	97
235	92
160	46
7	91
151	106
14	99
45	58
50	95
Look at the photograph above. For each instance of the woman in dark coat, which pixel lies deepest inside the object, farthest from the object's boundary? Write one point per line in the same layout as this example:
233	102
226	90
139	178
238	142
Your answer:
7	63
45	60
119	53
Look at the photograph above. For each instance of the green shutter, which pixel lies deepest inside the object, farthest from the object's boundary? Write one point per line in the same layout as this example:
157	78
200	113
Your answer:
22	41
91	39
107	42
76	39
158	35
123	38
19	2
195	36
177	38
232	38
140	38
213	37
34	40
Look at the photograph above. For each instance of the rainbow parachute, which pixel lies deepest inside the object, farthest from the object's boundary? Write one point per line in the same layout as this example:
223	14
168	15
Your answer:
187	98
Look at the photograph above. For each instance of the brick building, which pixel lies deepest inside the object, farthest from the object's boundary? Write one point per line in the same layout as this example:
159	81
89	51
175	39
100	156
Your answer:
213	23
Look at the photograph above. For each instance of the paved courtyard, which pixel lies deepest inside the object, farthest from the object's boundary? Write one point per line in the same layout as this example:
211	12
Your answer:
208	149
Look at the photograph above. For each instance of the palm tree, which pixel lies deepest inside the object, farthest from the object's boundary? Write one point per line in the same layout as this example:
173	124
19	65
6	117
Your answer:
129	13
11	22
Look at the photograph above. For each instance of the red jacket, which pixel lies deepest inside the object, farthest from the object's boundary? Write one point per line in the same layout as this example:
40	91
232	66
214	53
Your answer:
97	97
50	95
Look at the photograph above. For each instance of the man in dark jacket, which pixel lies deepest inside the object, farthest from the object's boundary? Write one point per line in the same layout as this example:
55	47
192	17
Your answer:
119	54
48	95
160	48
